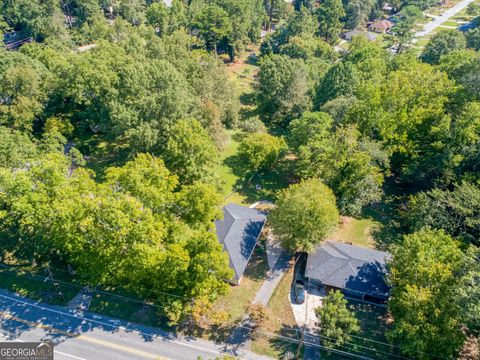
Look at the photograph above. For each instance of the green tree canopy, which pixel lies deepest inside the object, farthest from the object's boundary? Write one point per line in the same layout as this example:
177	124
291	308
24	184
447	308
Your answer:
260	151
473	38
305	214
346	163
441	44
330	14
409	15
408	113
134	230
16	148
358	12
189	152
213	25
424	274
336	322
282	90
457	212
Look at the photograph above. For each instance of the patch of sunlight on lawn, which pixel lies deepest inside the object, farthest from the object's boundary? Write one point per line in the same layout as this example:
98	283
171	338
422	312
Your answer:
356	231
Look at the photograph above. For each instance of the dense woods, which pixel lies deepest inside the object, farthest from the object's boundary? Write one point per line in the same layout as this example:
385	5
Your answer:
148	82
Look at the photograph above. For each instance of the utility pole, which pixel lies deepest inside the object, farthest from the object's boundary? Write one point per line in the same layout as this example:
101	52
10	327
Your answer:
55	283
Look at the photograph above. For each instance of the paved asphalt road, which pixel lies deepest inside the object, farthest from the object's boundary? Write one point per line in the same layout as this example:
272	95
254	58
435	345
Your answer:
87	336
439	20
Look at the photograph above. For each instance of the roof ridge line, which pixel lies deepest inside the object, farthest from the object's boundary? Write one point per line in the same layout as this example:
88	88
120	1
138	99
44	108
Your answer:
340	251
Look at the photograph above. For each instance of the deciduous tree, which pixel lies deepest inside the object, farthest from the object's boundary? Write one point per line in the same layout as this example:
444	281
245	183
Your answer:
336	322
330	14
260	151
424	274
282	89
189	152
305	214
441	44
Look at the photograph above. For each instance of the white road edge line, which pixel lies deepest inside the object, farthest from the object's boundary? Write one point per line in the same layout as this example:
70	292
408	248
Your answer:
69	355
216	352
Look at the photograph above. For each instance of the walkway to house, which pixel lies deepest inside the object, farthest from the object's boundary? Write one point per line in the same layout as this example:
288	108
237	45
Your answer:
278	262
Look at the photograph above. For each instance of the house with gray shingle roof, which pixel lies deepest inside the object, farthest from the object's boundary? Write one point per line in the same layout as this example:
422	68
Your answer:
356	271
238	232
365	34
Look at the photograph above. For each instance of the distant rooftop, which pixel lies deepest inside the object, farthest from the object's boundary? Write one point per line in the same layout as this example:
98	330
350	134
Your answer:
366	34
349	267
238	232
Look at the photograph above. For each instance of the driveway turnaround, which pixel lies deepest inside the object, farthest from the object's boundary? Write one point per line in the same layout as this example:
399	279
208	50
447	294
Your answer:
439	20
87	336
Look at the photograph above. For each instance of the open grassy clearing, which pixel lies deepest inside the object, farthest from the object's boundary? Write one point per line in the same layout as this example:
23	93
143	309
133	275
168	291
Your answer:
356	231
242	188
225	172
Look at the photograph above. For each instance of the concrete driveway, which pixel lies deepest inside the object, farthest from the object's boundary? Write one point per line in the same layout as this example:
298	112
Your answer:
305	313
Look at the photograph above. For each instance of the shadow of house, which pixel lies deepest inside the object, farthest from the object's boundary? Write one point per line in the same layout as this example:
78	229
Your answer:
358	272
238	232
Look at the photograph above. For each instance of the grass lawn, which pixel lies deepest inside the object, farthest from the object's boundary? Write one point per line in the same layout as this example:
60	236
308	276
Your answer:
243	71
117	303
31	284
422	42
225	172
280	322
123	305
450	23
243	76
356	231
238	299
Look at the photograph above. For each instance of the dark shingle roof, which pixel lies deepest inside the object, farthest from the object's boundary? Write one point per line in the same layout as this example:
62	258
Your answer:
349	267
366	34
238	232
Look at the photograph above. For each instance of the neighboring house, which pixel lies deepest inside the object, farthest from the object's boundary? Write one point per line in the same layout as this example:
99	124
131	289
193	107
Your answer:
238	232
358	272
366	34
381	26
